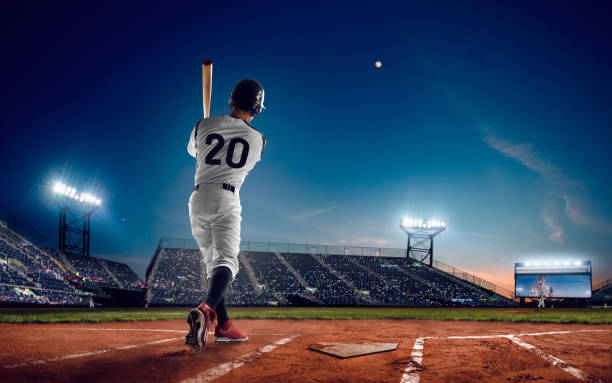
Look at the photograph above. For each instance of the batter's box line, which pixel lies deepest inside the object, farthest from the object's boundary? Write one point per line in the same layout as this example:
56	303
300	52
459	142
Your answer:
151	330
222	369
413	370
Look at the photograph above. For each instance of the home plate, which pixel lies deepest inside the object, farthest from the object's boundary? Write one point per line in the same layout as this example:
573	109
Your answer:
350	350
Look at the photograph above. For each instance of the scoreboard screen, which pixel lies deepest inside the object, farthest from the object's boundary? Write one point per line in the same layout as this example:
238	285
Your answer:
553	280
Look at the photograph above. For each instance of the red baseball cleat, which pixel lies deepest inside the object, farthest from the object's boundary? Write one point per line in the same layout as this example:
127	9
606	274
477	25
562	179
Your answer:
201	321
228	333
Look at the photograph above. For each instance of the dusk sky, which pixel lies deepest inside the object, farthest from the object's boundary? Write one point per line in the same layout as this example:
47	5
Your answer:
495	116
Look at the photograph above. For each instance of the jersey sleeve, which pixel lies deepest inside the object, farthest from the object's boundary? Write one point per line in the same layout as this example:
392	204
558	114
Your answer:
191	146
263	145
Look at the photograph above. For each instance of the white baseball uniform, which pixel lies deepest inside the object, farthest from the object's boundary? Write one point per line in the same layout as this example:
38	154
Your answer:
539	290
542	292
226	150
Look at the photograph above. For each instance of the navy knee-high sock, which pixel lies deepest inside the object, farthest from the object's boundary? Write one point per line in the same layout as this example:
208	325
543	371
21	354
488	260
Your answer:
222	316
215	298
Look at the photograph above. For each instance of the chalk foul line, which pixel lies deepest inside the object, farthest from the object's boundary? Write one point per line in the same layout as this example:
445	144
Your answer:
413	370
85	354
150	330
222	369
549	358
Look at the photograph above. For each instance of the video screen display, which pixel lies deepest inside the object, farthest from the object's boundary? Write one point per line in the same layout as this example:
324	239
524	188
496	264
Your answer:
553	285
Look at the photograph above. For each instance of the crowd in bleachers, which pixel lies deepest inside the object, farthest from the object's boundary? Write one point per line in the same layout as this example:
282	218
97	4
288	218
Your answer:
31	274
326	286
126	276
36	275
416	280
272	274
90	272
242	293
24	295
367	283
177	280
371	280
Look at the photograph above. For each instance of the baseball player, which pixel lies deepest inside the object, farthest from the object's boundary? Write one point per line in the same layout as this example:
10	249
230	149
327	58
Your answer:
226	149
541	290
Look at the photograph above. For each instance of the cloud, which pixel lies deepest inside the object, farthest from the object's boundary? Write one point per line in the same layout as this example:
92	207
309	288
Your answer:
557	231
559	188
365	241
311	213
524	154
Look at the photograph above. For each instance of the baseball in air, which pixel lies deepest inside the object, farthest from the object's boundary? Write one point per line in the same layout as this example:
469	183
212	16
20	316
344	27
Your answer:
378	64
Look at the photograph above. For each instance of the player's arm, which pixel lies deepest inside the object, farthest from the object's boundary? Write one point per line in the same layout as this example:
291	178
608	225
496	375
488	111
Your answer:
191	146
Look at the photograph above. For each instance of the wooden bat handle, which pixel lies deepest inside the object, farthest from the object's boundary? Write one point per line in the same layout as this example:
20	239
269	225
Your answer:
206	86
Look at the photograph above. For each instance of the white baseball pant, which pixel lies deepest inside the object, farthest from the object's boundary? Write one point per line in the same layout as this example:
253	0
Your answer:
541	303
215	225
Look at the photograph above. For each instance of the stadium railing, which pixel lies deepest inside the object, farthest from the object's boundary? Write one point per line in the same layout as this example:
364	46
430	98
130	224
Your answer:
26	231
473	279
273	247
602	284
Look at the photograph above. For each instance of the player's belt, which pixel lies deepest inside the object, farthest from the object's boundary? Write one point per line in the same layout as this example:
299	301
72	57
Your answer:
227	187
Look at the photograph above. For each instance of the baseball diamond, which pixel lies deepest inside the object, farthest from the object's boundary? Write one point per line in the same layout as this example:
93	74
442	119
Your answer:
397	191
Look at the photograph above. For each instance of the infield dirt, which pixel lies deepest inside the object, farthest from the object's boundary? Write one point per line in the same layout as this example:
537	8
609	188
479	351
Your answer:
153	351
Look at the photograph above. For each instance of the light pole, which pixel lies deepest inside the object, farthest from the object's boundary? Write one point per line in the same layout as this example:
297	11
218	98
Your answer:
421	235
76	209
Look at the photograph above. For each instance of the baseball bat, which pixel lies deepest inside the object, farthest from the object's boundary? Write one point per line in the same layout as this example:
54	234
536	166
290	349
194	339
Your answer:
206	85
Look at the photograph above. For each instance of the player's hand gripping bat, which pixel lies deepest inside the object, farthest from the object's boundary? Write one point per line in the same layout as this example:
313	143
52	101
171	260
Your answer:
206	85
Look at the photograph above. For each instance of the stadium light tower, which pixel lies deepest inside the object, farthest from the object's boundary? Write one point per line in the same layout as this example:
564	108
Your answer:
76	209
421	235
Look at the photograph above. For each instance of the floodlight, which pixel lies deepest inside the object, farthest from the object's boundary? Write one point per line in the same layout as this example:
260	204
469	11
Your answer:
537	263
565	263
98	202
527	264
556	263
405	222
577	263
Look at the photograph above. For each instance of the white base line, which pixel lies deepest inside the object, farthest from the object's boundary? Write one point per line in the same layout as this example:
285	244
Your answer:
91	353
549	358
115	329
215	372
147	329
507	335
412	371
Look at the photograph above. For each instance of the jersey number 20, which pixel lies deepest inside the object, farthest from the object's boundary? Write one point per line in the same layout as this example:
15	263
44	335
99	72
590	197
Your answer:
210	157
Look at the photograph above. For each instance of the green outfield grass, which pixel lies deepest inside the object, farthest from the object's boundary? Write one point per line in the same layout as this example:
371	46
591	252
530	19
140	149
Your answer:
591	316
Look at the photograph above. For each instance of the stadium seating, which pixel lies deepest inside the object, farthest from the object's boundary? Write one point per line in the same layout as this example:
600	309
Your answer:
30	274
272	274
126	276
91	274
177	281
36	275
364	279
177	278
326	286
